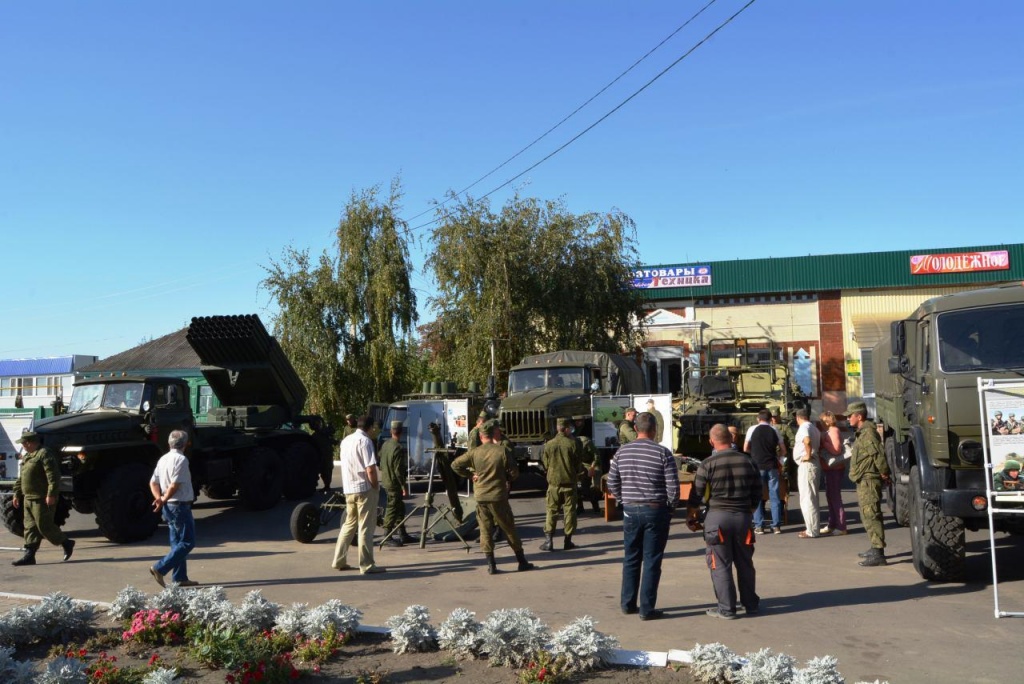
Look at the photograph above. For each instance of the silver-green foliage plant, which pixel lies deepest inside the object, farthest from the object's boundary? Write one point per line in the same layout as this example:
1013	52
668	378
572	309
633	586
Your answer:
292	620
19	626
712	663
345	619
460	634
59	617
63	670
581	647
127	603
510	637
766	667
207	606
15	671
173	598
255	612
819	671
161	675
411	631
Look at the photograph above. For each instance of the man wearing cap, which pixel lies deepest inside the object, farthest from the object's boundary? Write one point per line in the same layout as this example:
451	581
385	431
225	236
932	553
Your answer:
563	464
999	425
394	469
36	490
590	489
350	425
474	434
1009	477
868	470
492	472
627	433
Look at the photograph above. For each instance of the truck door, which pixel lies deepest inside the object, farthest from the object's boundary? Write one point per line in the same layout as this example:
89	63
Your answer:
168	409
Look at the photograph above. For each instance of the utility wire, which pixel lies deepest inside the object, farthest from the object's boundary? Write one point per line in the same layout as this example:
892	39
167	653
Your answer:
571	114
609	113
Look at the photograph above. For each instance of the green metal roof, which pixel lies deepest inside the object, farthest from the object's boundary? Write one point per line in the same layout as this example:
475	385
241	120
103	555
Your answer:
816	273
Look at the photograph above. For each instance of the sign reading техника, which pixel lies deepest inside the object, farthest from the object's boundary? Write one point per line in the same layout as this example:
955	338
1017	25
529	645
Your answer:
960	262
672	276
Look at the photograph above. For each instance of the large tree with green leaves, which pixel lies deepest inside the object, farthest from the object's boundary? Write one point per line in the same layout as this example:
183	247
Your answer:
346	321
533	277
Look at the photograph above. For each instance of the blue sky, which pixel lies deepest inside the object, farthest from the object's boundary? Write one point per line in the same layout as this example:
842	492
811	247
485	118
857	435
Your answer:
154	156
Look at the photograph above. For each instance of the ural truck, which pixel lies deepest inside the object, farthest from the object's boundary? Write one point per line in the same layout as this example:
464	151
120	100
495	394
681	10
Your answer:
739	378
546	387
116	428
927	404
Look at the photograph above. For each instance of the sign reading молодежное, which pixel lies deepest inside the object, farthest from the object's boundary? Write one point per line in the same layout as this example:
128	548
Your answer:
960	262
672	276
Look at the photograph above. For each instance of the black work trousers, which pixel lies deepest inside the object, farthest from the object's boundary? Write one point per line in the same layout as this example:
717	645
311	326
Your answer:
730	543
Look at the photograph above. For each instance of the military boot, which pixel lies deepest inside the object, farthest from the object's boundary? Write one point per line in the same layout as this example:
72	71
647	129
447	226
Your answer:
523	564
875	559
395	539
867	554
405	536
492	568
593	502
69	548
568	543
29	558
549	543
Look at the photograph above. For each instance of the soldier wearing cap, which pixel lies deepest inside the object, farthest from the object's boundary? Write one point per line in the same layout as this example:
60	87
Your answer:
36	491
443	461
627	433
350	425
869	471
474	434
590	489
1009	477
492	472
394	468
563	464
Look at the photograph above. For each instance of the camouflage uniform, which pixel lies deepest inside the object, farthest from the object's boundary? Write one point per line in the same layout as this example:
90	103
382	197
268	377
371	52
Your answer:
867	466
394	465
627	433
39	478
591	484
443	461
494	473
563	463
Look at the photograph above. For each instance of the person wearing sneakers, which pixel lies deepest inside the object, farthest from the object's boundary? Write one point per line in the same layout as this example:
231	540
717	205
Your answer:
731	484
171	485
36	491
834	466
869	471
766	449
806	447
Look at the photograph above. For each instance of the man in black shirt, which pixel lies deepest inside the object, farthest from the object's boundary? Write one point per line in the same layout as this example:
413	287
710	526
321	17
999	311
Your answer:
766	448
734	489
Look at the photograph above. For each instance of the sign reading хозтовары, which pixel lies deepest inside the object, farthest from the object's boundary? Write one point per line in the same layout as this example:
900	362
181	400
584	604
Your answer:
672	276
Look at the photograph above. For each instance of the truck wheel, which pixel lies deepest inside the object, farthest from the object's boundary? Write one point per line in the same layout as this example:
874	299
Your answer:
305	523
261	482
898	494
14	518
302	470
937	541
124	504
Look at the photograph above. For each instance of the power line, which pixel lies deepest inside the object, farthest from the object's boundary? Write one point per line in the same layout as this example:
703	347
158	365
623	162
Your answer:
572	113
609	113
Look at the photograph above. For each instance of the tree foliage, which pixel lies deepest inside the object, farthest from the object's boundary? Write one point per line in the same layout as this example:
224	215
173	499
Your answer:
534	277
345	321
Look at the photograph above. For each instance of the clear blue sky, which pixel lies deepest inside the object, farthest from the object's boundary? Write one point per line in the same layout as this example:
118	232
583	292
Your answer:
154	156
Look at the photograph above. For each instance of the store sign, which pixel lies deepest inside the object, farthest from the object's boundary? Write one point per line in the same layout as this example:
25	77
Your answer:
961	262
853	368
672	276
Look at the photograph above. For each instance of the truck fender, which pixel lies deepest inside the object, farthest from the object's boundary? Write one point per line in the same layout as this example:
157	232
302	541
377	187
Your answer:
933	479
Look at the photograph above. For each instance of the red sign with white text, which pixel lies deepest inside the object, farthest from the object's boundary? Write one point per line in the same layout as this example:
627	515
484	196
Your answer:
961	262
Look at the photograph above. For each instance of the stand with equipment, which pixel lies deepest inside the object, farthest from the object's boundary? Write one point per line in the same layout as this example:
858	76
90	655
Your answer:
427	506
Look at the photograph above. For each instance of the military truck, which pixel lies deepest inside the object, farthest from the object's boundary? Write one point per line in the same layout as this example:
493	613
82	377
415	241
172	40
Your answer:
546	387
926	399
116	428
738	379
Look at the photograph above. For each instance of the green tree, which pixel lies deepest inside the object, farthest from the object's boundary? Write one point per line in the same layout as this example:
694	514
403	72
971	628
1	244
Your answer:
346	322
534	277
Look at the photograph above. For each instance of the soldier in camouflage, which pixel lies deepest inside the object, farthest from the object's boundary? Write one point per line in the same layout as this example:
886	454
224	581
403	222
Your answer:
394	469
474	435
36	491
869	471
563	463
627	433
590	489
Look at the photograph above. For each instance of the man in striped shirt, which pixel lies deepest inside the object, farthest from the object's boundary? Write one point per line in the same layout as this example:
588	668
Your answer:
732	485
644	478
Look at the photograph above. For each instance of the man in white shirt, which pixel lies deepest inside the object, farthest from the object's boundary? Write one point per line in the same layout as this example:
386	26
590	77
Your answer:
805	453
171	486
360	481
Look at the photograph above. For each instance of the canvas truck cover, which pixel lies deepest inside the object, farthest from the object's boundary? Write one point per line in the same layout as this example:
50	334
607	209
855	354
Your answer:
619	374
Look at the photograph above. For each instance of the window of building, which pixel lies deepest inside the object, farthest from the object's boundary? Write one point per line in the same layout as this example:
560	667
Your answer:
867	374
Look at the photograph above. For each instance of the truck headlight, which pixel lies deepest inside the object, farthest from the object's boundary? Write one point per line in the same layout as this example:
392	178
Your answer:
970	452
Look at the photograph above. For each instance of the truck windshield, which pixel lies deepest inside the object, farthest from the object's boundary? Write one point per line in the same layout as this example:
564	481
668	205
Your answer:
121	395
982	339
545	378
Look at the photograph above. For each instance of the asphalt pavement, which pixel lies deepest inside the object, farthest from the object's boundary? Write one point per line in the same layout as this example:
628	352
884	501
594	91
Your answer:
881	623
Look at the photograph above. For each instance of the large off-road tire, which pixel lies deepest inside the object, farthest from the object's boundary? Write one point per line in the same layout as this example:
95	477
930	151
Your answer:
305	523
262	478
14	518
938	544
301	470
124	504
220	490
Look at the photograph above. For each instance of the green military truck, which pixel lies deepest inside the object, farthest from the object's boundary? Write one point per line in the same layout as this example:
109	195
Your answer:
546	387
116	427
926	399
